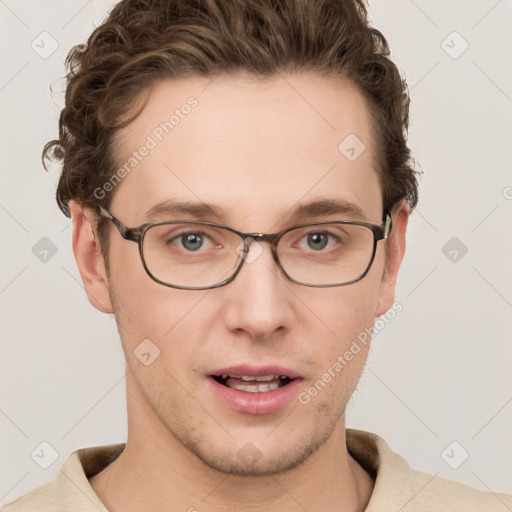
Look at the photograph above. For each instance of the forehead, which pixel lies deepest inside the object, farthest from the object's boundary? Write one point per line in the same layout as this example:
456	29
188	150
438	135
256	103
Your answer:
254	147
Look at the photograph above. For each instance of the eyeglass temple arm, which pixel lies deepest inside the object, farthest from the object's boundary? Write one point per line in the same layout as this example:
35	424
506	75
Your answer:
388	224
126	233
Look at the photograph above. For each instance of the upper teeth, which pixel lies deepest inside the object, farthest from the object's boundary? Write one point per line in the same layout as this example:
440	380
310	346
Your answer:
262	378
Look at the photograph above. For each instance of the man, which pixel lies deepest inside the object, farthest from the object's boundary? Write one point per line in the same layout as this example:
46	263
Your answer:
240	186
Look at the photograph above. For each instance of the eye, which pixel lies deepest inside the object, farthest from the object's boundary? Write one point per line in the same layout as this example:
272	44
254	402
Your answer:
317	240
191	241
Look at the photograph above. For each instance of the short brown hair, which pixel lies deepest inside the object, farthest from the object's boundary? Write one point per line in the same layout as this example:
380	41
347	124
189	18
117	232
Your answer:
143	41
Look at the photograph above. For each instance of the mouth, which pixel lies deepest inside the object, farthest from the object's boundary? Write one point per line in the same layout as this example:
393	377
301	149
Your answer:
252	383
256	390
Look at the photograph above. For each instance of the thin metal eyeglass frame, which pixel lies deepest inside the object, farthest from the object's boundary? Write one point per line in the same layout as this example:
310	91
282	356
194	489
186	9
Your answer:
136	234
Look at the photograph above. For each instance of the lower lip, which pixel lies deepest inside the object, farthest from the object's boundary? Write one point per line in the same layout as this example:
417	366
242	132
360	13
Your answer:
256	403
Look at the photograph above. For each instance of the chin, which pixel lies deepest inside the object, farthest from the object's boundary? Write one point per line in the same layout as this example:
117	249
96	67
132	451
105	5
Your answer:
250	461
265	455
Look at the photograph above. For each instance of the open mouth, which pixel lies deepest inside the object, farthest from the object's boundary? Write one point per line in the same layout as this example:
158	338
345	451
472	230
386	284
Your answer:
252	384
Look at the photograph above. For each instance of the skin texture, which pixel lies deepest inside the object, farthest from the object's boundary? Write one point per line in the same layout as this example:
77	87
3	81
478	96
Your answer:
256	149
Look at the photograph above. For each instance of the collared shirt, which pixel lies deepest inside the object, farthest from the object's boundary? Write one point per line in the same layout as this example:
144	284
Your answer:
397	486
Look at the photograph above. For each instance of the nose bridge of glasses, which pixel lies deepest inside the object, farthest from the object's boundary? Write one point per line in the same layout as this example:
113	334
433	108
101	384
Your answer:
272	239
260	237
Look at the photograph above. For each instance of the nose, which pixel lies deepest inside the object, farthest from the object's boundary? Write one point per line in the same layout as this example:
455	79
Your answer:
259	298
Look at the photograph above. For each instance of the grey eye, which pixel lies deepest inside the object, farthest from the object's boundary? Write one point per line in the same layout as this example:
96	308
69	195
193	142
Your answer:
317	241
192	241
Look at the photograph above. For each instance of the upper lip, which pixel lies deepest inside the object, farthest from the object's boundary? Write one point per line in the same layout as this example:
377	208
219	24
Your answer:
256	371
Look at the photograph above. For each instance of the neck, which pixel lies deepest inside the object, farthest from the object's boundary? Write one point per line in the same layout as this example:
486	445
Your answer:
156	472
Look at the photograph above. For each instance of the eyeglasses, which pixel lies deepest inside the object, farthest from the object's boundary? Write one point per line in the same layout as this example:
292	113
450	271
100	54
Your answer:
202	255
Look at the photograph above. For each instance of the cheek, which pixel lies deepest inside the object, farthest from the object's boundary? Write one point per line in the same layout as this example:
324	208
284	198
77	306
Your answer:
346	310
145	309
341	320
160	313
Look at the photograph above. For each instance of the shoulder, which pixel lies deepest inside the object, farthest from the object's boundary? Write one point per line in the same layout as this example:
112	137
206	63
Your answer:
434	493
397	486
71	490
40	499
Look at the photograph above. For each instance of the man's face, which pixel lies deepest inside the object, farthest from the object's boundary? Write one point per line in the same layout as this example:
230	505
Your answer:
256	150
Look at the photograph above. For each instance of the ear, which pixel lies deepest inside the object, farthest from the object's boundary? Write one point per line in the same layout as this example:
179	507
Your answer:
396	248
89	259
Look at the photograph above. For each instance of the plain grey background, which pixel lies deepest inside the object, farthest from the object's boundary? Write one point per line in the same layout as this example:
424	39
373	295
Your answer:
438	374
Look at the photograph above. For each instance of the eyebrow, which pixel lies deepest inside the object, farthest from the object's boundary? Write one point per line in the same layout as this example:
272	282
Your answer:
204	211
327	207
170	208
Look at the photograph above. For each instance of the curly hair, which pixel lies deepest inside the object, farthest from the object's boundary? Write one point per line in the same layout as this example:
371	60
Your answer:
144	41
